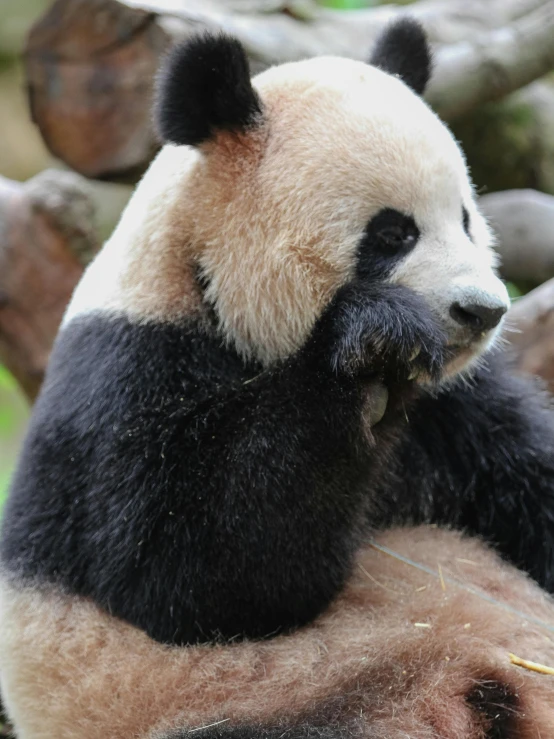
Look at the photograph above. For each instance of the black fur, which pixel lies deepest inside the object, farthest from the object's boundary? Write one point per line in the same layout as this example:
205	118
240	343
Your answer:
203	87
403	50
480	457
372	315
466	221
300	731
388	238
197	497
499	707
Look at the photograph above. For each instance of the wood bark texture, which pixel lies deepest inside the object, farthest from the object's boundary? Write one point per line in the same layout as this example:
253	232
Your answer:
46	236
90	66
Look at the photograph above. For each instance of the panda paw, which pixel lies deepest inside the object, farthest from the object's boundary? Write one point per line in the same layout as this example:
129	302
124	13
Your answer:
386	331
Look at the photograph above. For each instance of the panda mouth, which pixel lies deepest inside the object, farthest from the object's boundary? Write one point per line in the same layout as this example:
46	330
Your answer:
474	339
462	354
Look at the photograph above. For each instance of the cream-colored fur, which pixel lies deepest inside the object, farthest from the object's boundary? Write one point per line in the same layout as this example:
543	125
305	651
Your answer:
70	671
273	218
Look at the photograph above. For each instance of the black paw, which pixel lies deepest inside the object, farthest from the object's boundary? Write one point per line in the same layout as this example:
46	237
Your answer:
382	330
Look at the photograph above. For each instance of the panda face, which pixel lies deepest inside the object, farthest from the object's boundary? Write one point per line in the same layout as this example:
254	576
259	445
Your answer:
319	172
356	177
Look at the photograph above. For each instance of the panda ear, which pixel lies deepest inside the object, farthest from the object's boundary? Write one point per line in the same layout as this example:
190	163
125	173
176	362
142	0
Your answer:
204	87
403	50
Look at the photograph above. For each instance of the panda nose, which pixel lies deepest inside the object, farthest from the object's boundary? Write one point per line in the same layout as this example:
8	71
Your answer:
476	316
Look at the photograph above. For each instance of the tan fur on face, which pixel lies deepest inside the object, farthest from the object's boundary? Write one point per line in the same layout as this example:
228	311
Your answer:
144	269
71	671
273	217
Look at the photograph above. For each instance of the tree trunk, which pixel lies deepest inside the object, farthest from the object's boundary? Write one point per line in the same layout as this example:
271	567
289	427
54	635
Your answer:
531	332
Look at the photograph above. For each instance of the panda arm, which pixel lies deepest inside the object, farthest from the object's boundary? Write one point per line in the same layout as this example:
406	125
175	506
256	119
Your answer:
193	496
185	495
480	456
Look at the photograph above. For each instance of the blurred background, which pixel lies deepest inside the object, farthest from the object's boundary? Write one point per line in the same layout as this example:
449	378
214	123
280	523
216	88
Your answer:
501	108
23	154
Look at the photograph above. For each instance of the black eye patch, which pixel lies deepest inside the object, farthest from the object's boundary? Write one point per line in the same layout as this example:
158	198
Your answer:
388	238
465	220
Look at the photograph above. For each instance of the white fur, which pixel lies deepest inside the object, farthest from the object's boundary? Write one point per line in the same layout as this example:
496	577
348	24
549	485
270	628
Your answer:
125	276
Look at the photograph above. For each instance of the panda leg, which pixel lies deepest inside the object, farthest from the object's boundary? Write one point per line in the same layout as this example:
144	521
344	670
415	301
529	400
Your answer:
480	456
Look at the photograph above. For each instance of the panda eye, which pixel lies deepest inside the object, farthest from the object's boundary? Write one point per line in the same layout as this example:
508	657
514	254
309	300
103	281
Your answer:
388	237
397	237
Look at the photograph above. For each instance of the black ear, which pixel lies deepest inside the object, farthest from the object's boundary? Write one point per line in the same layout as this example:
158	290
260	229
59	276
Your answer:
403	50
203	87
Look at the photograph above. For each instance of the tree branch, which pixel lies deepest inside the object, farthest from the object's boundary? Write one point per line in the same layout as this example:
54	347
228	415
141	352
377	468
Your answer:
531	332
102	55
493	64
46	236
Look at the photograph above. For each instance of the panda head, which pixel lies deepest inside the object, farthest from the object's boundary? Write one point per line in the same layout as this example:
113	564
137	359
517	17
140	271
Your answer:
271	193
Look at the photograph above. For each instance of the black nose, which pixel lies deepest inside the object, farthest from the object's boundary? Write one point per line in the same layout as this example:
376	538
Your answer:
477	317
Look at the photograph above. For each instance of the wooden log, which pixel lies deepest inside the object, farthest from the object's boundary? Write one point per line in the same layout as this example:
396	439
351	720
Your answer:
90	66
90	63
523	221
46	237
530	330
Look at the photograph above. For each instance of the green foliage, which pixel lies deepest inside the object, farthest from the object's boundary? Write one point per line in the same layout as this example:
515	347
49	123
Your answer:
500	144
514	291
15	19
7	420
347	4
7	382
13	413
5	477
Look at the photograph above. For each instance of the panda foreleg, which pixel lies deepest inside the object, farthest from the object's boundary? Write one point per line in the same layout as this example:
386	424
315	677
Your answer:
480	456
288	458
381	329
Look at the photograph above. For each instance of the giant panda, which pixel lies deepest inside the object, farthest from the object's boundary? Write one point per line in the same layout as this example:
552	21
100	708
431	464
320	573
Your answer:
260	367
